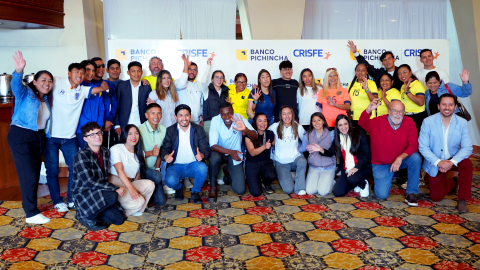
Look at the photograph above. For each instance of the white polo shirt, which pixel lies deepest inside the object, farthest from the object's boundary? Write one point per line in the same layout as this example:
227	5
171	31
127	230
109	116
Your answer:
67	107
185	153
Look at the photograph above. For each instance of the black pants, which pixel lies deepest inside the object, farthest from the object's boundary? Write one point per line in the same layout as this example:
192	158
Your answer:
110	212
236	173
26	147
418	119
253	171
344	184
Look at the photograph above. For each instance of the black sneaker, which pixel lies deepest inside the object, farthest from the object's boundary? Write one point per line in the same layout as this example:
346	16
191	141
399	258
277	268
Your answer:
411	199
269	189
179	194
92	225
195	198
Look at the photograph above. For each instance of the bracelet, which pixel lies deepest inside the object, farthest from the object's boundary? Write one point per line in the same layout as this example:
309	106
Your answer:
408	92
368	90
255	102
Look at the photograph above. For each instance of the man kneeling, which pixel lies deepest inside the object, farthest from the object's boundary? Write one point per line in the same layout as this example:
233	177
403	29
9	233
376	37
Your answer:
95	198
184	148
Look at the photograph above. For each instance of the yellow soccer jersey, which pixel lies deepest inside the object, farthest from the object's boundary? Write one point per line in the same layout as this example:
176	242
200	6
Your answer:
418	89
239	100
359	98
392	94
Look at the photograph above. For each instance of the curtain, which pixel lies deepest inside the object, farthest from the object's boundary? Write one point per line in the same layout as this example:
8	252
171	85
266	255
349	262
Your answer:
375	19
208	19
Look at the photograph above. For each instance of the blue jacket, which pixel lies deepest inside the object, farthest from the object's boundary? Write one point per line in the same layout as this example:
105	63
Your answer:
26	104
109	98
431	141
459	91
93	108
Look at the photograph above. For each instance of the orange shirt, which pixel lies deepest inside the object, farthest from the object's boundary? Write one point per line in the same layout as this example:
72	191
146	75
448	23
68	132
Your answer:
340	96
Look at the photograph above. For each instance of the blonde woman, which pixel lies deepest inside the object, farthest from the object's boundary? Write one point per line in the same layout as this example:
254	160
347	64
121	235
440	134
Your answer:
333	98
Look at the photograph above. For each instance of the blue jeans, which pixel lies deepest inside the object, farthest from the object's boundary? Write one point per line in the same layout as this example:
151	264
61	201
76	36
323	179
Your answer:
158	195
69	148
284	173
383	177
176	173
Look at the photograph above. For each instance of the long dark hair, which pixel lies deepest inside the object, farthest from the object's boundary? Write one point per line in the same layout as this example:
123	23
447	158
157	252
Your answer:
259	141
270	87
409	69
353	133
138	149
310	128
34	89
355	77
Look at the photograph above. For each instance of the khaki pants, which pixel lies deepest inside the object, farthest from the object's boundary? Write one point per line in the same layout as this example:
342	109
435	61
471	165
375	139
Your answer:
144	186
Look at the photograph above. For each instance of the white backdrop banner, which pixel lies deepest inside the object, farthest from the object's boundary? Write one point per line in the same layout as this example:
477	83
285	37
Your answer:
250	56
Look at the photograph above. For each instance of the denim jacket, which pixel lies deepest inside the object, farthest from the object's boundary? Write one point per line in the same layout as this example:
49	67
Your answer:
26	104
459	91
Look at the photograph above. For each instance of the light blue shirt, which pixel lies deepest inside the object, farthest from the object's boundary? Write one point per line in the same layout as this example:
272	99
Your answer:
228	138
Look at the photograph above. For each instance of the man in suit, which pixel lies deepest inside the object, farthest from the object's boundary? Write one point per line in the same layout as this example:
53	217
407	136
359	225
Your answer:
131	98
95	197
446	145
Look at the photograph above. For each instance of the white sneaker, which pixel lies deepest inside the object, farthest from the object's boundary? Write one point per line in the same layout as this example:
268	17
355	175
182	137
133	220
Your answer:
137	214
71	205
61	207
357	189
168	190
365	192
187	182
220	182
37	219
302	192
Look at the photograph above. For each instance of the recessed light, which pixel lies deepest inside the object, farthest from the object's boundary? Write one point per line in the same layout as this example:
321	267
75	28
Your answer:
383	5
392	20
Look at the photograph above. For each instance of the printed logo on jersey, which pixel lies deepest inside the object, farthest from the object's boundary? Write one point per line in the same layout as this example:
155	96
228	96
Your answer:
121	55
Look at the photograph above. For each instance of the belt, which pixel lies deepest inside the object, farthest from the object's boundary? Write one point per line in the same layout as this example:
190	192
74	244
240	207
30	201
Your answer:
412	113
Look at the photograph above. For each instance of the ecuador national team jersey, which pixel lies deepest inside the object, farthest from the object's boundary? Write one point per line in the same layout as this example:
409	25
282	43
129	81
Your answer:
359	97
340	96
418	89
392	94
239	100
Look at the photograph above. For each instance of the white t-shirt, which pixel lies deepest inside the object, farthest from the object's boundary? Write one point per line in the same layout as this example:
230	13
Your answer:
422	73
306	105
134	113
67	107
286	150
43	115
119	153
191	94
185	153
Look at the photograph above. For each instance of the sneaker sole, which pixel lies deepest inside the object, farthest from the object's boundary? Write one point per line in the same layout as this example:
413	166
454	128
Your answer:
411	204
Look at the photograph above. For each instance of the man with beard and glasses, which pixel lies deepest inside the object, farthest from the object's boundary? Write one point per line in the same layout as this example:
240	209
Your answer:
184	149
446	145
155	65
394	146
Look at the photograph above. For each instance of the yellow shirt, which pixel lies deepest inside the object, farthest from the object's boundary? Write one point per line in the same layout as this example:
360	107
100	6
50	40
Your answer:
152	80
239	100
392	94
418	89
359	98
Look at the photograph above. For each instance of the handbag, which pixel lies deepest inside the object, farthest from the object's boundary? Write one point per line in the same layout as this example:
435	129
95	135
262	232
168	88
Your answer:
462	111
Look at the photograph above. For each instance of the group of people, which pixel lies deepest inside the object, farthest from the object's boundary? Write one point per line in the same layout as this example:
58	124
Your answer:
127	143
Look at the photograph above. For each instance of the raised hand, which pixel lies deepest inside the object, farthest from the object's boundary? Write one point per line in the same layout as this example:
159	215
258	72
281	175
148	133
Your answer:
186	60
209	61
465	76
256	94
199	156
169	158
373	105
240	125
407	85
155	151
352	46
19	62
365	83
268	144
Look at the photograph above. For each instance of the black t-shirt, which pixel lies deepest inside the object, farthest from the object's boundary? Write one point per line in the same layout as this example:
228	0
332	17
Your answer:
433	104
265	155
286	94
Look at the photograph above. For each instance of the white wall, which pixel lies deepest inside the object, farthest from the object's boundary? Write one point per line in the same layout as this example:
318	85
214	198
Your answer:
50	49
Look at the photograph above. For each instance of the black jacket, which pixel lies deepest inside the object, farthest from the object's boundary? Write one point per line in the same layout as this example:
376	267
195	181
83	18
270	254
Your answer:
124	101
362	153
211	106
198	138
377	73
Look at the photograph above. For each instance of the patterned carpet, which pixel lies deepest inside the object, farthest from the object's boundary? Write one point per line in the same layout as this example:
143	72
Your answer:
277	231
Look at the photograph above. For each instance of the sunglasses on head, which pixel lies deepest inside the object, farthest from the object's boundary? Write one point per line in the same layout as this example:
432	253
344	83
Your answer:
328	69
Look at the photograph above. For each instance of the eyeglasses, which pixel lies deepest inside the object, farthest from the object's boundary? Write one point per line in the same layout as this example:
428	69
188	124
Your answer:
93	135
101	66
286	69
241	82
219	78
192	69
397	112
328	69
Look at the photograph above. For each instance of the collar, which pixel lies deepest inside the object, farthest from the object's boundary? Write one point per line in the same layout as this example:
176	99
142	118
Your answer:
188	130
138	86
150	129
